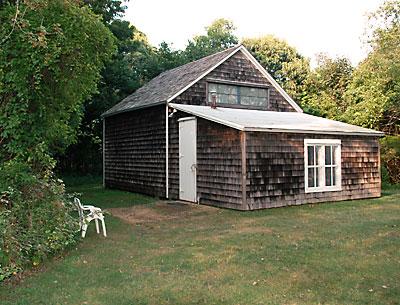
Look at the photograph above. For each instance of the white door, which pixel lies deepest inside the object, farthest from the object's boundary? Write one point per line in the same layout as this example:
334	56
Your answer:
187	159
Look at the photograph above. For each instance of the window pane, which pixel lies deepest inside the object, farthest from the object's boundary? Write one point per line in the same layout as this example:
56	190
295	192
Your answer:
262	93
328	173
310	154
334	148
328	159
317	150
225	89
244	91
245	100
253	101
311	177
212	87
317	182
226	99
334	176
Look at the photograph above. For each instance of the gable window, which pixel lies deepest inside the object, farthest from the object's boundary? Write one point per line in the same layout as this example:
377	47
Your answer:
230	94
322	160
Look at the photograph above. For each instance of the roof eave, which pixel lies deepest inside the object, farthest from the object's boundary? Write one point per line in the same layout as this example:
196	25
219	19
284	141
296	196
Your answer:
315	131
285	130
105	114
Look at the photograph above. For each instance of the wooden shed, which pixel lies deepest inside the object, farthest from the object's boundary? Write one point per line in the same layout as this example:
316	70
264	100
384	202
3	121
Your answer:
255	149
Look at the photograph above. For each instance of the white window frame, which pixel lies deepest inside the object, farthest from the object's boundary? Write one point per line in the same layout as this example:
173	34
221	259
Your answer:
321	165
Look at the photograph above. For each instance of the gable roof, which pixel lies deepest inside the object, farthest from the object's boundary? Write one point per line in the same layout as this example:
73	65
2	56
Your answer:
169	84
272	121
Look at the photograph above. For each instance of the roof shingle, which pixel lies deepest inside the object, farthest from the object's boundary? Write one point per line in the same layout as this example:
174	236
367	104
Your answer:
168	83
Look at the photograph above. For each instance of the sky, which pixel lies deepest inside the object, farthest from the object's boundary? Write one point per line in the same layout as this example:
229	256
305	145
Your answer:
333	27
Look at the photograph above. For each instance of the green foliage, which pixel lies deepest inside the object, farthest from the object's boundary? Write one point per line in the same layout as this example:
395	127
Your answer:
282	61
134	63
374	94
35	220
50	60
390	156
108	9
220	36
326	87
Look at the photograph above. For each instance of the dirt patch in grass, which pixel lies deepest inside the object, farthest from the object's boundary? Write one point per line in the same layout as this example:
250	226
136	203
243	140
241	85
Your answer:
160	211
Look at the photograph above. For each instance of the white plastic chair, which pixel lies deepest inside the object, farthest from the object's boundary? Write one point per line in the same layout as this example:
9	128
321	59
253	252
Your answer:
87	213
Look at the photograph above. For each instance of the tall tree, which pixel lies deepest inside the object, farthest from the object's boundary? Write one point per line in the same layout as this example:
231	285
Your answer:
108	9
326	87
220	35
50	61
286	65
374	93
134	63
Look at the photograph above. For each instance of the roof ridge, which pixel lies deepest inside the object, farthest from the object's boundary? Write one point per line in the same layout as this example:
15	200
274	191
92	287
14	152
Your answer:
202	58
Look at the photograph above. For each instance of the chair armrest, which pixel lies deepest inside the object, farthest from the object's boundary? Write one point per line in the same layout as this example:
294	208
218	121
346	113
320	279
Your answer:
91	208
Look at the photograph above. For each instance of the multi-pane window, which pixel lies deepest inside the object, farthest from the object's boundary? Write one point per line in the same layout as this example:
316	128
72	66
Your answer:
239	95
322	165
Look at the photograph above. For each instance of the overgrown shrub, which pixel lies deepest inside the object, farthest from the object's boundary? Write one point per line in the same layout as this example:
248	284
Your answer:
390	156
35	219
51	56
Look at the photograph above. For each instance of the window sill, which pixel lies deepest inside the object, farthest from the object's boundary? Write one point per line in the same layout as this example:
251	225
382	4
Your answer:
323	189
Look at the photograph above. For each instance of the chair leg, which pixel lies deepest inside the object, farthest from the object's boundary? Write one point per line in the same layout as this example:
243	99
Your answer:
104	227
84	228
97	226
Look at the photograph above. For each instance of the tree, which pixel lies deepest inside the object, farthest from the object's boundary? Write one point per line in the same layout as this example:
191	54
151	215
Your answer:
287	66
50	63
326	87
220	36
108	9
51	56
134	63
374	93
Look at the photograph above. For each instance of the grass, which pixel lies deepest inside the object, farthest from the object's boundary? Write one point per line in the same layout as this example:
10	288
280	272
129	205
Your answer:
91	191
333	253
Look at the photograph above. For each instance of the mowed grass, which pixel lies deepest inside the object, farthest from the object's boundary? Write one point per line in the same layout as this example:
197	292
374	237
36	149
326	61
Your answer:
333	253
90	190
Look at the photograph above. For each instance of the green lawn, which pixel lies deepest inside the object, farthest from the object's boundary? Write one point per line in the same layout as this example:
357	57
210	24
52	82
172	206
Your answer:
334	253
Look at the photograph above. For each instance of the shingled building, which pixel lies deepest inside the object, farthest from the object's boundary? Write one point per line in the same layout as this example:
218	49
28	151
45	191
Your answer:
220	131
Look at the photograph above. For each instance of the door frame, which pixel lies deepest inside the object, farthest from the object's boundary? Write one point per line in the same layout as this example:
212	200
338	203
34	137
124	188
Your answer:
195	156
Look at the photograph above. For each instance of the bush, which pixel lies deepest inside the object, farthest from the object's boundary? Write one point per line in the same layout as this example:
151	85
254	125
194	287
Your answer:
35	219
390	154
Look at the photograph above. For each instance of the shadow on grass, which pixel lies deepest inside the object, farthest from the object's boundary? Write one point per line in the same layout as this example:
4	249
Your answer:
92	192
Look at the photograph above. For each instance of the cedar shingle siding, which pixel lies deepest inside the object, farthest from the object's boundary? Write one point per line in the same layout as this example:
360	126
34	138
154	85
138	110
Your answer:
235	169
275	169
135	151
237	68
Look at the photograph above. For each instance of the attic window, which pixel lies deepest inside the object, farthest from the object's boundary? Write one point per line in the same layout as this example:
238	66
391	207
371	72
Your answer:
322	170
239	95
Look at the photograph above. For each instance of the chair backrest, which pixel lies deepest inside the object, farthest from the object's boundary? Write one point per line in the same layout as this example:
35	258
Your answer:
79	207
